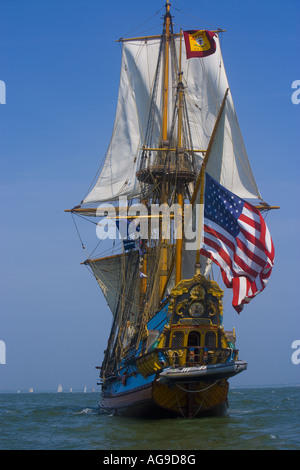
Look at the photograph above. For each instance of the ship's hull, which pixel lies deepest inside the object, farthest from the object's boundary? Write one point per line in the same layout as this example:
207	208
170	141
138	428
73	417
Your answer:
178	399
133	403
182	363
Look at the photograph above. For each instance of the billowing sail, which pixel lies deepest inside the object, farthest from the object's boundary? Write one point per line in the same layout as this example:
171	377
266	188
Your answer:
227	163
118	174
116	278
205	85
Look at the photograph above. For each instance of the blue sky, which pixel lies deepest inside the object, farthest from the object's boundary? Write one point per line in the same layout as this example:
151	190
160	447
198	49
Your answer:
60	63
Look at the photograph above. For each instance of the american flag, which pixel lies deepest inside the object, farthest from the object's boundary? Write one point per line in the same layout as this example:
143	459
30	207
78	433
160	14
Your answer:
237	239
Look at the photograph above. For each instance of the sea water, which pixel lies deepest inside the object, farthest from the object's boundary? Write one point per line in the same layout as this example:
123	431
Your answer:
258	419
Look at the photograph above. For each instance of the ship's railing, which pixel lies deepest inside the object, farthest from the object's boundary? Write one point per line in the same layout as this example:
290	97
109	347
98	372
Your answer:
169	163
198	355
159	358
188	356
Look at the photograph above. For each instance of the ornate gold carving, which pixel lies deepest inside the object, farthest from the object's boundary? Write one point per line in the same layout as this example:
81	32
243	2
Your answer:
181	306
212	308
196	290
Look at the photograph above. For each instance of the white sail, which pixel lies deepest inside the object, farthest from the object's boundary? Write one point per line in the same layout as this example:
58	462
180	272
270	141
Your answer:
117	177
109	273
205	84
227	161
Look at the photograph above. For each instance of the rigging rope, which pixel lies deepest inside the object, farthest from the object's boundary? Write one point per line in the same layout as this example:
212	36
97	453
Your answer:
144	22
196	391
83	247
195	17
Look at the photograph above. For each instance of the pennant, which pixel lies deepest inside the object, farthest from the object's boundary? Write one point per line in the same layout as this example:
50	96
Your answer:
199	43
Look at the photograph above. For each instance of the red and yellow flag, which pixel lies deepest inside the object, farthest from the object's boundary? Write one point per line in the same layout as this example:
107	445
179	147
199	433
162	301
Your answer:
199	43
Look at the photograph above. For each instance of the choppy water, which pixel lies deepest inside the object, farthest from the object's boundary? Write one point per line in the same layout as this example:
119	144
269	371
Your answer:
259	418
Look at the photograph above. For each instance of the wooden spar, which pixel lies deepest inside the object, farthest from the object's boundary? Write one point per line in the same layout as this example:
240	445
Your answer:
202	171
141	38
200	180
169	276
105	258
178	257
164	248
94	211
172	150
265	207
180	95
158	36
143	280
166	76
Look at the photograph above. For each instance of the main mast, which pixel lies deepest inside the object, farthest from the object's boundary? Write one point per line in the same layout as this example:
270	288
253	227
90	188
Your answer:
166	75
171	169
165	144
178	257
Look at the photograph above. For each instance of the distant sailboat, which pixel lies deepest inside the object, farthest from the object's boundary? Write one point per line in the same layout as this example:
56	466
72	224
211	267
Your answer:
84	391
30	390
59	388
71	390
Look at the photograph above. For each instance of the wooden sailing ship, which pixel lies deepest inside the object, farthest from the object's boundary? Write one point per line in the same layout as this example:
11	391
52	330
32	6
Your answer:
168	352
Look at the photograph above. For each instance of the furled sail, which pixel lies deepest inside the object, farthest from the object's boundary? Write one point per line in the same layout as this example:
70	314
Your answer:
205	84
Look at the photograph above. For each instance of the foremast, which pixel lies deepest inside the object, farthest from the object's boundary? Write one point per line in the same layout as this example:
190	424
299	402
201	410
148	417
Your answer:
173	168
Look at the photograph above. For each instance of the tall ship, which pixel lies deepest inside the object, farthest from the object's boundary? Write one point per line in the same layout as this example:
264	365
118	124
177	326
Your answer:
175	196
